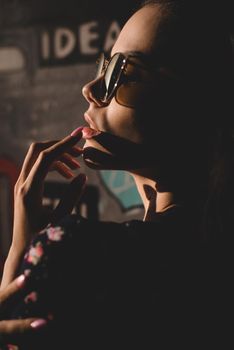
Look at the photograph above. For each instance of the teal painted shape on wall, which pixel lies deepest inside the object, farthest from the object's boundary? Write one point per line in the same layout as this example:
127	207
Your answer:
122	186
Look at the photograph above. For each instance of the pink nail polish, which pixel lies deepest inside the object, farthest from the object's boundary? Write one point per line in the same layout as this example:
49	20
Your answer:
76	131
38	323
20	280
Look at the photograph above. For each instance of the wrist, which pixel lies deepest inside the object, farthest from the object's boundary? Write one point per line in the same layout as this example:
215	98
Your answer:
12	265
17	249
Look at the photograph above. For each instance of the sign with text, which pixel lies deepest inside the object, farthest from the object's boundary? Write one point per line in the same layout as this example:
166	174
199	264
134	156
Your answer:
71	44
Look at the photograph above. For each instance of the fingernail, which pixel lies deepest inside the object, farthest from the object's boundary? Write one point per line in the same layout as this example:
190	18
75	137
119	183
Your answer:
12	347
20	280
38	323
76	131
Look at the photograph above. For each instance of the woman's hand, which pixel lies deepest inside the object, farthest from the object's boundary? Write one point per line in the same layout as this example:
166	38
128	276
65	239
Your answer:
12	331
30	215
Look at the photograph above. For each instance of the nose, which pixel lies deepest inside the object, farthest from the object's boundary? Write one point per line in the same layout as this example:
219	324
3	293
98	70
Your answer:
89	93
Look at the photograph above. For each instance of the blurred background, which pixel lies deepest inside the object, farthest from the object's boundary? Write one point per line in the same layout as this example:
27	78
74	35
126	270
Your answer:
48	51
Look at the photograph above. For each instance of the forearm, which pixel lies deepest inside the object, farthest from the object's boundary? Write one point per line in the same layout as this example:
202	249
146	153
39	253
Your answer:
20	239
11	266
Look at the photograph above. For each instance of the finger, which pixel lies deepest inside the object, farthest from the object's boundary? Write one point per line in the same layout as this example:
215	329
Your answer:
51	154
62	169
31	157
12	290
70	161
64	145
117	145
13	330
67	159
71	197
36	148
131	153
15	327
95	159
76	151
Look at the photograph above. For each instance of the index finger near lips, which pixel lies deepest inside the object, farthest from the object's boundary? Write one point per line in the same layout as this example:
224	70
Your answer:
31	156
37	147
49	155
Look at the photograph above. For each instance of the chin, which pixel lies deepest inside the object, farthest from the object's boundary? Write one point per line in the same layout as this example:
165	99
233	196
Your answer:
94	144
87	144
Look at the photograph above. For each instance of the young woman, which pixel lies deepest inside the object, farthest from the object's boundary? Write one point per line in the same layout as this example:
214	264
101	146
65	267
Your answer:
159	109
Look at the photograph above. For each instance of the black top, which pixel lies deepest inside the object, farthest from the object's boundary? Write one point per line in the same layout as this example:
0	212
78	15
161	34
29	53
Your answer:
118	285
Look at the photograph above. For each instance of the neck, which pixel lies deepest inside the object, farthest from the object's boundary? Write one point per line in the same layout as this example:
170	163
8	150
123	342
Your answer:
153	200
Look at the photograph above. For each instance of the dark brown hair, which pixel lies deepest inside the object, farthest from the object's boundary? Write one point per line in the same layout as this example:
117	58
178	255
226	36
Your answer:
195	42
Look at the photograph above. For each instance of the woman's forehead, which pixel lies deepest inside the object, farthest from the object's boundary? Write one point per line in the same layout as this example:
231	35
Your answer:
140	31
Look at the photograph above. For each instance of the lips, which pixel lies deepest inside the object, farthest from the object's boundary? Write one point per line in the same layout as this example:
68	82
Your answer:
88	133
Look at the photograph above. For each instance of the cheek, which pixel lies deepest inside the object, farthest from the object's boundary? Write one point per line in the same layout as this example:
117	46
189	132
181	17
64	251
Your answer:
122	121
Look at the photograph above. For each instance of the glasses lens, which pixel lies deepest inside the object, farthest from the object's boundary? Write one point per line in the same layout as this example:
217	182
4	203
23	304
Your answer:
132	94
129	93
113	74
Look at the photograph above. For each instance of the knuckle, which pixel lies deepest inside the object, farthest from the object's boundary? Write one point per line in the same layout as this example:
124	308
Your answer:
22	191
43	155
16	187
35	147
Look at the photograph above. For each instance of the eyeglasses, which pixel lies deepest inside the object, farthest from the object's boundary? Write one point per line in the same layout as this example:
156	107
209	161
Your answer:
123	77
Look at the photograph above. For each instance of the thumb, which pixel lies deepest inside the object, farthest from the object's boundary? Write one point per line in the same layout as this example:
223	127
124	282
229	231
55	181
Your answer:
70	198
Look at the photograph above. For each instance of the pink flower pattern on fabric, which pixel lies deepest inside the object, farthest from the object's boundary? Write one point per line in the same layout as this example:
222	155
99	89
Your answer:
32	297
27	272
55	233
35	254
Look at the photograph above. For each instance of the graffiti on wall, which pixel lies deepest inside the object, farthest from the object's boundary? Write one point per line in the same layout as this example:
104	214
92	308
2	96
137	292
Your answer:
87	206
121	186
78	43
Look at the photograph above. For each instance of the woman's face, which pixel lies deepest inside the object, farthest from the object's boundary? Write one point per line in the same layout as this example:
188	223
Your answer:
115	119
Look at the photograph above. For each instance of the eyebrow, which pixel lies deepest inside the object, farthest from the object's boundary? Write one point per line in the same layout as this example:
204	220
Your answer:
138	54
151	62
144	57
